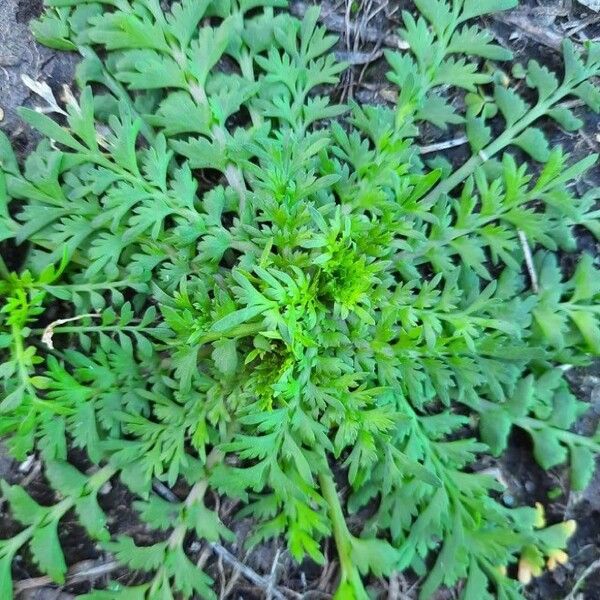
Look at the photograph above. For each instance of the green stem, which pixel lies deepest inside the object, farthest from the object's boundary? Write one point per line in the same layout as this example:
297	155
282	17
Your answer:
95	482
99	478
196	494
137	181
93	328
341	534
86	287
505	139
119	91
568	437
58	511
19	540
350	579
418	255
19	349
530	424
19	356
241	331
4	272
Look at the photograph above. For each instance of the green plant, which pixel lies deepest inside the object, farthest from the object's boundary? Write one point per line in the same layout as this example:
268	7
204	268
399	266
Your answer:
297	312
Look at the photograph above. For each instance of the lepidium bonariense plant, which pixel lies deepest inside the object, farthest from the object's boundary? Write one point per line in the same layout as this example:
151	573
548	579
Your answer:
232	283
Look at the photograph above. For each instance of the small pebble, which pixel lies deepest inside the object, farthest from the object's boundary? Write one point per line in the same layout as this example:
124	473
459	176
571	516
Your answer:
26	465
105	489
508	499
529	486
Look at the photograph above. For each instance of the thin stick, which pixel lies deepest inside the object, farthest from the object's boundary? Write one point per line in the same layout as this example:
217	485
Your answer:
164	492
459	141
35	471
48	333
273	575
529	261
396	587
197	493
246	571
338	24
233	578
359	58
579	583
526	24
77	573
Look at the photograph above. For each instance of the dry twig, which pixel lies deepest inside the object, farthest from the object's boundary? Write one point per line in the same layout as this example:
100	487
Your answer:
595	566
49	330
245	570
396	588
529	26
273	575
335	22
445	145
86	570
529	261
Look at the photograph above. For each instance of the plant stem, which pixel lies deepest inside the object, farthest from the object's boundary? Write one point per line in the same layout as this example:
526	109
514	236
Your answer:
244	330
505	139
20	359
117	88
196	495
4	272
58	511
530	424
241	331
568	437
341	534
92	328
